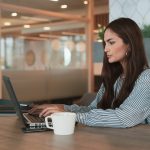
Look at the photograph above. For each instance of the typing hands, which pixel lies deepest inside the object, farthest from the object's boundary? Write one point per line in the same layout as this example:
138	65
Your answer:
46	109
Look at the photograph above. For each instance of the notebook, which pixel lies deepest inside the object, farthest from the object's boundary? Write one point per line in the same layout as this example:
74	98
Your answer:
30	122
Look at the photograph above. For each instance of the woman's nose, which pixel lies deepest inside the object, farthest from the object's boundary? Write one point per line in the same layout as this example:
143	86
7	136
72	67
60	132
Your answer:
106	49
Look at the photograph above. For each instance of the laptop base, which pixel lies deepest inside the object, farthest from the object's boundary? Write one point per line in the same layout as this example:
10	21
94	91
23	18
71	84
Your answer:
33	129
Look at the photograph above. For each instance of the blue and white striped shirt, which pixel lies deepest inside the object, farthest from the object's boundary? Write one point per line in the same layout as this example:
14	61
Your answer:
133	111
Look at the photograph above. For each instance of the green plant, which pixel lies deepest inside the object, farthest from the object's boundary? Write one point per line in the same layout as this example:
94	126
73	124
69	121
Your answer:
101	31
146	31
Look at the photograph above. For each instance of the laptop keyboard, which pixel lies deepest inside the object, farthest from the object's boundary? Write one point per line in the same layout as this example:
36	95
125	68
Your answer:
35	118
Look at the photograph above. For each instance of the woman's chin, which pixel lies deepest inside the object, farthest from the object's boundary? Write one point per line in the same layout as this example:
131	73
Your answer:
111	61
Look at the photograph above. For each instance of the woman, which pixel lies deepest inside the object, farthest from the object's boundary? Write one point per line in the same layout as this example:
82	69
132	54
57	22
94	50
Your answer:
123	99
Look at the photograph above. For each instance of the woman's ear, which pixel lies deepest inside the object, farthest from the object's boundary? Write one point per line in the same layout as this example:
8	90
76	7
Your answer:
128	50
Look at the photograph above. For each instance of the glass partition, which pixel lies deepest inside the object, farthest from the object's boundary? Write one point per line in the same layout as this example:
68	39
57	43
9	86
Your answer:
30	41
21	53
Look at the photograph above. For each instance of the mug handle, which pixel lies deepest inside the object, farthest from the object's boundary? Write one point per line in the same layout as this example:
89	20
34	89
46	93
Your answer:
46	122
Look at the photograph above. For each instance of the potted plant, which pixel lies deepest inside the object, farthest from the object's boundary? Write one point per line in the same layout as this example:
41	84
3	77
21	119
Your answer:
146	31
100	32
146	35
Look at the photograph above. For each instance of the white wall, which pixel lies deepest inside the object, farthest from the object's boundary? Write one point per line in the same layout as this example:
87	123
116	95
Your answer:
138	10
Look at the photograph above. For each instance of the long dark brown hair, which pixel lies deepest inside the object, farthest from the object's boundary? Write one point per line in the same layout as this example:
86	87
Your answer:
135	61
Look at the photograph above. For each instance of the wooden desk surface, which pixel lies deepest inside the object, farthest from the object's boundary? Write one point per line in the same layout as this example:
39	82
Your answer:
12	137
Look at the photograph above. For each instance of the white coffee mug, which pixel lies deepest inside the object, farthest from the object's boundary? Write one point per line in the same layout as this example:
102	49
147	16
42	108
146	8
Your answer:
63	123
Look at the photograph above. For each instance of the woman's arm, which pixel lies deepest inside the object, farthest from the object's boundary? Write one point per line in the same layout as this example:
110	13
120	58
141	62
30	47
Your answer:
134	110
48	109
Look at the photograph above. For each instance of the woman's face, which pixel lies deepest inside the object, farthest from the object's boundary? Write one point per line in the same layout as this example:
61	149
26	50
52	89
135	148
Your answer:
115	48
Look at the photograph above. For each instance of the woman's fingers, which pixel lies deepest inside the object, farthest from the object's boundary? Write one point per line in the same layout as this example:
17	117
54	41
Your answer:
43	112
37	108
49	110
46	109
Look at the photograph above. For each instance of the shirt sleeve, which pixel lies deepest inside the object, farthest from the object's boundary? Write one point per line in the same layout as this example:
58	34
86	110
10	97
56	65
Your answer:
134	110
82	109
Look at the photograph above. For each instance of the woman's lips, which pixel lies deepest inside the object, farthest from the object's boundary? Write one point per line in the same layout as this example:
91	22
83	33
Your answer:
108	56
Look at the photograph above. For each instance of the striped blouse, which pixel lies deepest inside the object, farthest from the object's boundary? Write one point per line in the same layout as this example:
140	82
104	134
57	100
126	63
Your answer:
133	111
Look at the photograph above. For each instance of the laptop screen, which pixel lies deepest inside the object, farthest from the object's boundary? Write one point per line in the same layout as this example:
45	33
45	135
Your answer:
13	97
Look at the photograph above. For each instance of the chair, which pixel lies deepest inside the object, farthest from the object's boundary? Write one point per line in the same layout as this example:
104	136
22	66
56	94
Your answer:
86	99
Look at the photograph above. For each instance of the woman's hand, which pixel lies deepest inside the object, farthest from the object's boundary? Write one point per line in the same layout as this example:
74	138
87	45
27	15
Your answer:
46	109
51	109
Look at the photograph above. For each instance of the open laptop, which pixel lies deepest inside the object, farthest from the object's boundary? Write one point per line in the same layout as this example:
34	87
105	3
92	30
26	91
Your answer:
30	122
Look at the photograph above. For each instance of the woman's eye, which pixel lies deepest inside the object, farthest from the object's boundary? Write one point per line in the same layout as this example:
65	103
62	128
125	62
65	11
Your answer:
111	42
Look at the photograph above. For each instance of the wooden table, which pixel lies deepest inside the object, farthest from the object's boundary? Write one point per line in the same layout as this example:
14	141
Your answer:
84	138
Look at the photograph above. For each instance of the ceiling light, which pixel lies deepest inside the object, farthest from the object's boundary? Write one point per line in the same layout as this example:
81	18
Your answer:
54	0
26	26
14	14
99	40
85	2
64	6
46	28
7	23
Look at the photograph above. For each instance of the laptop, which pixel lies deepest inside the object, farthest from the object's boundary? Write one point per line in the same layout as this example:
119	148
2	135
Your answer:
31	123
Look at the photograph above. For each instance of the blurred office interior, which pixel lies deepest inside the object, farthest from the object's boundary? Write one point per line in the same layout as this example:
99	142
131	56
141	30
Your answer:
51	49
